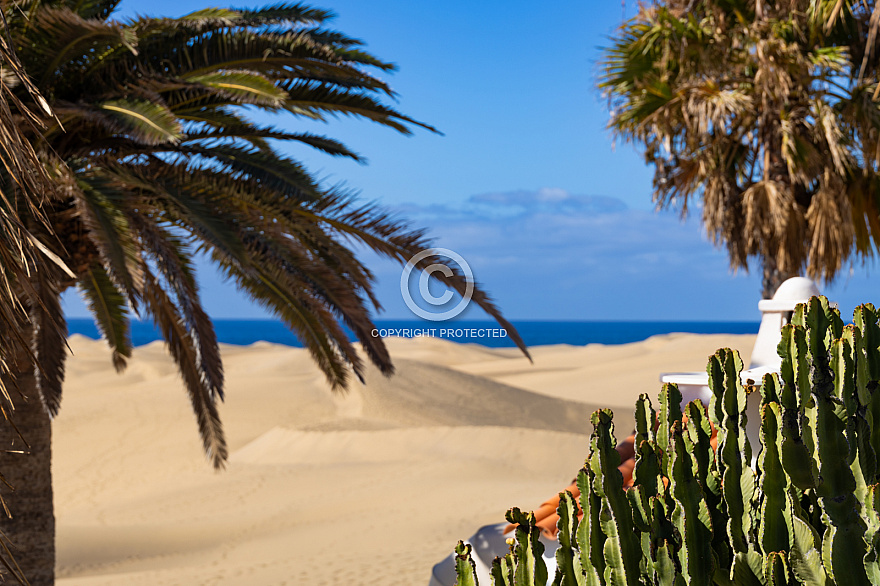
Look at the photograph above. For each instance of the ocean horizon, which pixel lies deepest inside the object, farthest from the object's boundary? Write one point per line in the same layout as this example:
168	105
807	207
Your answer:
243	332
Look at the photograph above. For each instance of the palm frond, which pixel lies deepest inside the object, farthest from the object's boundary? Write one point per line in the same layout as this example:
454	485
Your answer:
393	239
107	305
287	13
173	263
109	230
180	344
242	86
147	122
93	9
219	17
257	136
312	324
168	194
49	342
278	173
283	13
62	38
288	54
315	99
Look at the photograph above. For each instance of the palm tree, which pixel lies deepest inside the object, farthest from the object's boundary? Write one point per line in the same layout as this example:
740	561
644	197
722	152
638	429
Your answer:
26	187
154	158
765	113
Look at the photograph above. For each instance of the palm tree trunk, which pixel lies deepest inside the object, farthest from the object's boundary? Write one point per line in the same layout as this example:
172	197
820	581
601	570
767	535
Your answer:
773	278
31	530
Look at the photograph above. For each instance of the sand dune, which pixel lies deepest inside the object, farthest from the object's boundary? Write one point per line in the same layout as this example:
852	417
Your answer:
373	487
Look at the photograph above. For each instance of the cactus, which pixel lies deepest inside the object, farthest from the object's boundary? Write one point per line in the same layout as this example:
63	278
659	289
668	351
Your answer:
465	567
805	511
529	569
691	515
590	538
569	569
622	550
727	409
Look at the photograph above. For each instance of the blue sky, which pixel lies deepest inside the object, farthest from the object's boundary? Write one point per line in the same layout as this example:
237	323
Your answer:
526	183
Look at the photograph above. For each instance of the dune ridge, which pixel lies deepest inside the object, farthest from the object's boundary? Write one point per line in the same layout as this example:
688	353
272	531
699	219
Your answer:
372	487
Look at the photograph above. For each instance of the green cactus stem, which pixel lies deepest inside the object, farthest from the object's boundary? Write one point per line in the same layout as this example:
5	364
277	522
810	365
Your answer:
622	548
691	515
569	569
590	538
528	551
464	565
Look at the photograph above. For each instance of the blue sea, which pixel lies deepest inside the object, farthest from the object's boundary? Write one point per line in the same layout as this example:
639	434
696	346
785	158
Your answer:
486	333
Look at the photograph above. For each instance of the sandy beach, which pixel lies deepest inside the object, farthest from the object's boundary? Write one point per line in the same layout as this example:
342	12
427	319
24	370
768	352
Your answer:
369	488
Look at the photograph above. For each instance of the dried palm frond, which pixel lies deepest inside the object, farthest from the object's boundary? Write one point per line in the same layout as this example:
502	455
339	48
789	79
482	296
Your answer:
767	113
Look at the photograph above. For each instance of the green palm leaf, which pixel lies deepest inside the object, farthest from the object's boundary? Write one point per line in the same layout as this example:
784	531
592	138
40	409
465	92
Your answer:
257	137
185	353
283	13
50	343
111	234
147	122
242	87
172	259
110	311
92	9
219	17
316	99
280	174
64	39
311	323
